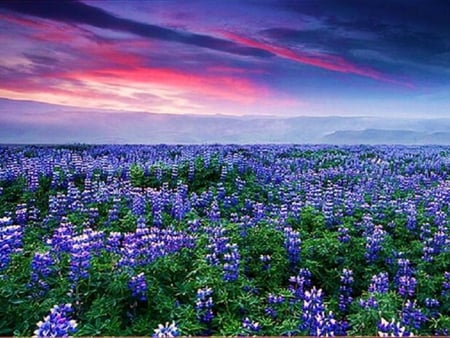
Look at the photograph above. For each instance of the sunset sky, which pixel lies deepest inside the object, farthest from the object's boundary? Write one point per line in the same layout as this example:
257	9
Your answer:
254	57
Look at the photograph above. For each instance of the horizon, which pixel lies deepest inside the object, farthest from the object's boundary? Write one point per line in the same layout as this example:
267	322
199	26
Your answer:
240	59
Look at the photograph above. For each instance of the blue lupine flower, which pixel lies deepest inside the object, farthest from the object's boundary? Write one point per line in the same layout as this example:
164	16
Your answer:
392	329
166	331
250	325
138	286
404	279
314	319
10	243
58	323
42	267
374	243
345	290
292	244
411	316
204	305
446	284
379	283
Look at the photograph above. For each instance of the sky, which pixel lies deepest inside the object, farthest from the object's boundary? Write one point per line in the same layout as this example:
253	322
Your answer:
251	57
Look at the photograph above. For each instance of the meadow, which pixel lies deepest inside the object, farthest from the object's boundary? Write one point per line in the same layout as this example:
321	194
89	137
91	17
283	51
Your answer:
224	240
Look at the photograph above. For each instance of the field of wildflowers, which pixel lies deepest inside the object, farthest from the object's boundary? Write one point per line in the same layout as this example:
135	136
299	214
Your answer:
224	240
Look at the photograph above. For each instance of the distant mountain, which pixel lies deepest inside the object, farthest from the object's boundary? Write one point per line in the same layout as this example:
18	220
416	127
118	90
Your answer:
383	136
30	122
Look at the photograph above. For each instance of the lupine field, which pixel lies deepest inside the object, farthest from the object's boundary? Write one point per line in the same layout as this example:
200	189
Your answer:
224	240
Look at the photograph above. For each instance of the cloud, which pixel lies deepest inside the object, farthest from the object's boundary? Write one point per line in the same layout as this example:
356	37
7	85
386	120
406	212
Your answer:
324	61
79	13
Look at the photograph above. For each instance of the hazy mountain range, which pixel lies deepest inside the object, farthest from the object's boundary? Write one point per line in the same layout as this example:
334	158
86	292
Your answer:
31	122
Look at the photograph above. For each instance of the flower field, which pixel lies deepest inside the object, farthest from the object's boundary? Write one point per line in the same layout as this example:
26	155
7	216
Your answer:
224	240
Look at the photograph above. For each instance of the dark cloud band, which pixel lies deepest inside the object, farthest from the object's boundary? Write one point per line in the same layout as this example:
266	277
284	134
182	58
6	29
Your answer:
76	12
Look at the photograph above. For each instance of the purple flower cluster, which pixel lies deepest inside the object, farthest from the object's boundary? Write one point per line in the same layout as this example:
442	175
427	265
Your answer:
273	302
345	290
379	283
58	323
404	279
446	284
392	329
298	283
168	330
138	287
231	263
10	242
80	258
411	316
42	266
145	245
223	253
314	320
204	305
250	326
374	243
292	244
439	242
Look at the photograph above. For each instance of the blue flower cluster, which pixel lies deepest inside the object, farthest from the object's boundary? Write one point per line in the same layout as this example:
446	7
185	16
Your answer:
314	319
138	287
404	279
250	326
392	329
58	323
10	242
204	305
168	330
345	290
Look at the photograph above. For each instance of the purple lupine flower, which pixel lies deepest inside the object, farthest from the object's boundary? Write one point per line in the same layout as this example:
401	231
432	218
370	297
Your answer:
10	243
138	204
42	266
273	301
191	172
21	214
299	282
250	325
379	283
404	279
214	212
345	290
374	243
343	236
265	259
113	242
138	287
436	244
166	331
204	305
314	320
231	263
392	329
292	244
61	239
369	303
446	284
80	257
58	323
411	316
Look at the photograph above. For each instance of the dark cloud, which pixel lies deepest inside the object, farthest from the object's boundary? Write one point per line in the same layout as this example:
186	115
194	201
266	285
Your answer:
408	38
405	28
41	59
425	14
70	11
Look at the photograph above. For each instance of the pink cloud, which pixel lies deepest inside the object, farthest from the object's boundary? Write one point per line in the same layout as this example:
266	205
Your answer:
225	87
324	61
